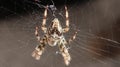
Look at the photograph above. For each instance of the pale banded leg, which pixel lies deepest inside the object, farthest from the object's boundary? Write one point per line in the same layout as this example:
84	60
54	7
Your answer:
44	28
65	54
73	37
37	34
67	20
40	48
38	51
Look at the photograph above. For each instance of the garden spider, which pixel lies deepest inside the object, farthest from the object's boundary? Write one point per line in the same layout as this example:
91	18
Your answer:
53	36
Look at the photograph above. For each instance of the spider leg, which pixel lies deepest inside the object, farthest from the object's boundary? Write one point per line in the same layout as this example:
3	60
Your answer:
64	52
67	20
44	28
72	38
39	49
36	34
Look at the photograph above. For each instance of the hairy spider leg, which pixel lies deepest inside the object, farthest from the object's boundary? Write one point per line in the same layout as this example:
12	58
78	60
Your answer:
36	34
40	48
73	37
43	27
64	52
64	49
67	20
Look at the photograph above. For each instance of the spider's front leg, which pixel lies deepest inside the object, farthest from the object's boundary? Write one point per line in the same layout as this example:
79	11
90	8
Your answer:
44	28
39	49
67	21
64	52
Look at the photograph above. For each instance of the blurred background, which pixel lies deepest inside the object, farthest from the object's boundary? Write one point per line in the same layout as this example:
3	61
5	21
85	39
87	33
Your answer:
97	43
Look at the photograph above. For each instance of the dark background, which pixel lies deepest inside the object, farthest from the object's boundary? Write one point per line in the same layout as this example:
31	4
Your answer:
97	43
18	5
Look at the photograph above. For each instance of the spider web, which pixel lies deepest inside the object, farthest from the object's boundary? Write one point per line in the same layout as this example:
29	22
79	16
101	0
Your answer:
97	43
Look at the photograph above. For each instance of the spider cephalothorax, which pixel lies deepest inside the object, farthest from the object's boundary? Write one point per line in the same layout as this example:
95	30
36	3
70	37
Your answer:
53	36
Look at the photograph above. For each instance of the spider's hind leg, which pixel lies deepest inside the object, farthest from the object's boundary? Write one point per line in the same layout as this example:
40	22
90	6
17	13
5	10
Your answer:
38	51
64	52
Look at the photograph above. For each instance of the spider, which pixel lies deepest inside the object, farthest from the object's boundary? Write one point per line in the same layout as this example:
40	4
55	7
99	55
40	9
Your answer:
53	36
